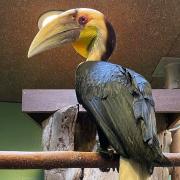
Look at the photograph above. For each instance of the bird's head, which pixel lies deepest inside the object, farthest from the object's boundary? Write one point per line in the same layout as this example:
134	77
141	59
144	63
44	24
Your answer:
91	35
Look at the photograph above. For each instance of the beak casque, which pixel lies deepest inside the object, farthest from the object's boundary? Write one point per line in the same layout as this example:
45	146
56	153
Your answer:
64	28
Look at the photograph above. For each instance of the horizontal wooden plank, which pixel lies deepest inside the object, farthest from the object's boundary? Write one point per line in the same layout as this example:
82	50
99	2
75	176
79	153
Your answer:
47	101
166	100
42	100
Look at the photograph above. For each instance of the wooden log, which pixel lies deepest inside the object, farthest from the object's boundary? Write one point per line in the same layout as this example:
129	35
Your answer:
58	135
62	132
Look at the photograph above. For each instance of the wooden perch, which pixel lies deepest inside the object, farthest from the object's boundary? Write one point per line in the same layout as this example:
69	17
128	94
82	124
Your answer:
63	159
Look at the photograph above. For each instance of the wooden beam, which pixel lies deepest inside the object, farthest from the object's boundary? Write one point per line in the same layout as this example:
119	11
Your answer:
65	159
49	101
166	100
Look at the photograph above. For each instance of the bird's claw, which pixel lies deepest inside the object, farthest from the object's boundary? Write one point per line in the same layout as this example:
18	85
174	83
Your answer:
107	154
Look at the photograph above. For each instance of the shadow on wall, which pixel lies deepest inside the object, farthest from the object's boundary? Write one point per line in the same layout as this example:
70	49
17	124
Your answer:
18	132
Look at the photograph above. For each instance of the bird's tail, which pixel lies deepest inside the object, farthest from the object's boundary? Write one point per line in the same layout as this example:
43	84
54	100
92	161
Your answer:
131	170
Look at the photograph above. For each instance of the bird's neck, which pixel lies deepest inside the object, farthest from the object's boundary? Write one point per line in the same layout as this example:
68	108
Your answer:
98	49
96	43
91	44
103	44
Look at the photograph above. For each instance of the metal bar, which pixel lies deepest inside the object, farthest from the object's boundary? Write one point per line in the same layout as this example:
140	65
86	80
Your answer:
49	101
64	159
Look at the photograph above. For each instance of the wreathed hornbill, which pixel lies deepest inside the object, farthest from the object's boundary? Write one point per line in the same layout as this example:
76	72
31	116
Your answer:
118	98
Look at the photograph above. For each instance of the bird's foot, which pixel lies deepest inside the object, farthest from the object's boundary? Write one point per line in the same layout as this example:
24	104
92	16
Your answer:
109	154
106	153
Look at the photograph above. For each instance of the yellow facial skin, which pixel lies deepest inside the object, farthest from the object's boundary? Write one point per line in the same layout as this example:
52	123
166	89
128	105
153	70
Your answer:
86	38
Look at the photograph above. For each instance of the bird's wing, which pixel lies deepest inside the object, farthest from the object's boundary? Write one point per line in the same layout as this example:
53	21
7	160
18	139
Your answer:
118	98
144	107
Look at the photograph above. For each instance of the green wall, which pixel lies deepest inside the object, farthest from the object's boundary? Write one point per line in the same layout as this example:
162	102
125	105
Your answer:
20	133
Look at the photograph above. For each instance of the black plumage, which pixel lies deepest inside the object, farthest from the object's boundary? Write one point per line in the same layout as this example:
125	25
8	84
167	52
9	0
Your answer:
121	102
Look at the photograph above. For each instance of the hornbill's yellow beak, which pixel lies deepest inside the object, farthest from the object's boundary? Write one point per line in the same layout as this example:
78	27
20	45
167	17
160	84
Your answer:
64	28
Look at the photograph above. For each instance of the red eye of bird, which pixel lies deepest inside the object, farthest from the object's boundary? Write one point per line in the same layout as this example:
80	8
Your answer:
82	20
